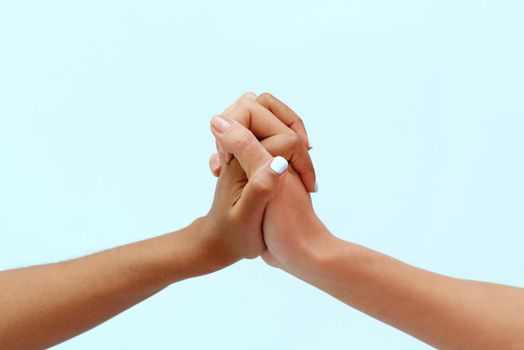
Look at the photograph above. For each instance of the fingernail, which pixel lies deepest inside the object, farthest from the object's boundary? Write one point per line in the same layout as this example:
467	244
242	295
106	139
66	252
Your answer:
219	124
316	187
279	165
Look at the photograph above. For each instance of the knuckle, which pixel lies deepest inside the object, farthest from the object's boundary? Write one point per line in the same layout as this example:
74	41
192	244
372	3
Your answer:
295	141
241	139
261	185
266	96
250	95
292	142
244	101
299	121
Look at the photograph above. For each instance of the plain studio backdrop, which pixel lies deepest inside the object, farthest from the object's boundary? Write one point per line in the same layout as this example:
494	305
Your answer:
414	109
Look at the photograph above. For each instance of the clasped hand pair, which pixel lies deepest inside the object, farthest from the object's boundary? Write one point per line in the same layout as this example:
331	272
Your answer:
260	209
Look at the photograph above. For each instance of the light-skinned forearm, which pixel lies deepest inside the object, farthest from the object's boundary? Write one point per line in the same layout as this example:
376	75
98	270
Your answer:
44	305
445	312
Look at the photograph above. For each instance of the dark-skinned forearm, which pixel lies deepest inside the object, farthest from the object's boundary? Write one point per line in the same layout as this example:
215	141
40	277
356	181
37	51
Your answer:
44	305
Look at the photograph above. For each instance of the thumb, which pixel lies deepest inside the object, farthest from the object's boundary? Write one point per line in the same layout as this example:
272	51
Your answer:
261	187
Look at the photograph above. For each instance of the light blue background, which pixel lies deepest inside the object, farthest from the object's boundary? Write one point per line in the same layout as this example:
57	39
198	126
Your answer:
415	110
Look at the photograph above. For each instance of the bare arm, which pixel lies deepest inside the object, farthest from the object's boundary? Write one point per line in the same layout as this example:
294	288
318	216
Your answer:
44	305
445	312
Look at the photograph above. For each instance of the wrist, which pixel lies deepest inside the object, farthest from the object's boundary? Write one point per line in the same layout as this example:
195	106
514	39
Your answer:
330	255
315	258
315	244
189	252
210	248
